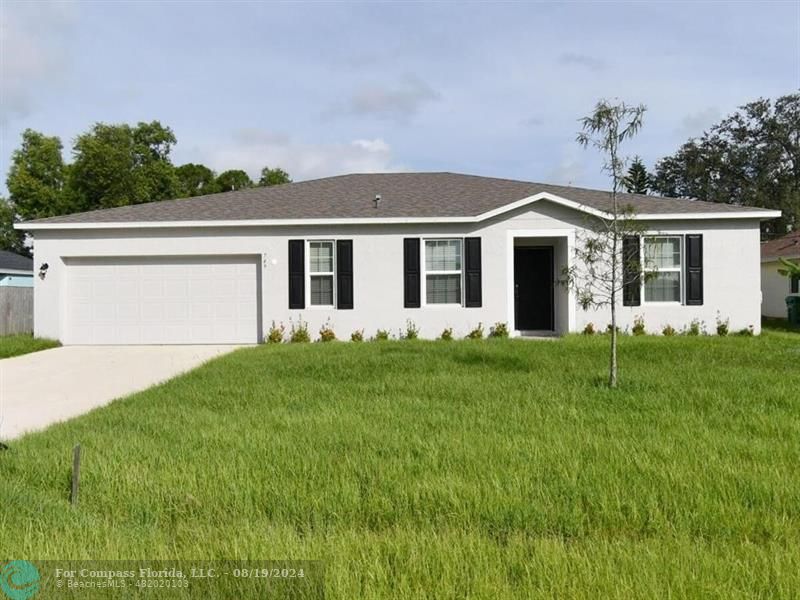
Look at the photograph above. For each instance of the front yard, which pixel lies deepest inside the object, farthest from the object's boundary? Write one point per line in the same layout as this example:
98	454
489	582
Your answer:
434	469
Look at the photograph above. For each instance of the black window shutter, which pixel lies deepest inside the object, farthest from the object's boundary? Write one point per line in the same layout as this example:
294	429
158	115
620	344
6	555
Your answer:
344	274
631	271
694	269
297	275
472	272
795	284
411	274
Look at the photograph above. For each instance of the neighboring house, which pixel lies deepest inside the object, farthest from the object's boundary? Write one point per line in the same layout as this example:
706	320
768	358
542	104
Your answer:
15	270
774	286
376	251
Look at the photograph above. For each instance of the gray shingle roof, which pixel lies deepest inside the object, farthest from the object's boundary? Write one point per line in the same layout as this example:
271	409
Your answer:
412	195
15	262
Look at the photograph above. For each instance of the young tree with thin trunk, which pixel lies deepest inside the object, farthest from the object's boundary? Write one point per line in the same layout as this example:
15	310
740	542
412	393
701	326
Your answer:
601	256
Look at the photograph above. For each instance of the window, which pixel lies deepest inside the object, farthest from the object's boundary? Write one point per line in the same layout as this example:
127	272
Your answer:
443	271
663	254
320	273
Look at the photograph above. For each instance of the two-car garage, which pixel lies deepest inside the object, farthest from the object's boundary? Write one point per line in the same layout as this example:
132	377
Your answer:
162	300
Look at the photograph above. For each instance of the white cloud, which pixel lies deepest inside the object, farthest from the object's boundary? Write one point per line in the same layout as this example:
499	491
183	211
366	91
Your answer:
254	149
570	169
398	102
582	60
694	124
32	52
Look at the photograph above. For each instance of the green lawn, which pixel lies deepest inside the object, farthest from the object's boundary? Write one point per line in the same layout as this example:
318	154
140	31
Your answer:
15	345
480	469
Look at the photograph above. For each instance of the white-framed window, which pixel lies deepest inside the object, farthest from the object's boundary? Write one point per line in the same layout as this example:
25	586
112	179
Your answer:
442	262
321	269
663	254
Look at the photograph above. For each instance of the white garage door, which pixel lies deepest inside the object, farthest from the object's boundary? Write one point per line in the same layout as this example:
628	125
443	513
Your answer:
162	300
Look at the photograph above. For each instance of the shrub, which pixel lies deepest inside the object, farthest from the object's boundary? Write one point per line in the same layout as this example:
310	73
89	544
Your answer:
357	336
498	330
668	331
447	334
589	329
608	329
746	332
638	326
477	333
298	332
381	335
276	333
412	331
695	327
722	326
326	333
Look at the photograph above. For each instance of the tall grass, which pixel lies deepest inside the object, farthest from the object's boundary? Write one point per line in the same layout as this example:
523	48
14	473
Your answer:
473	469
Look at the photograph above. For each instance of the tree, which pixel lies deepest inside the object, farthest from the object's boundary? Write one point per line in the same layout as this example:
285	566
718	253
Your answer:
596	274
118	165
36	177
195	180
751	158
790	269
11	239
637	181
274	176
234	179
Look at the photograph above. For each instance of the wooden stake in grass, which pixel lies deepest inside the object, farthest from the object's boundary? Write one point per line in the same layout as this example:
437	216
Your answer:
76	474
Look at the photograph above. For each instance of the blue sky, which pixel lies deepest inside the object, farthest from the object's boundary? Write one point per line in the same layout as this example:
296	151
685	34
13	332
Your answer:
328	88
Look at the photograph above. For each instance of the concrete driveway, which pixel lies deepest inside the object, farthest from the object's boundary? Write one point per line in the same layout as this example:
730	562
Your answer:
42	388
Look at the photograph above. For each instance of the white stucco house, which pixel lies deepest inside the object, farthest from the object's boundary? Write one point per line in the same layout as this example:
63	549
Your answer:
372	251
774	286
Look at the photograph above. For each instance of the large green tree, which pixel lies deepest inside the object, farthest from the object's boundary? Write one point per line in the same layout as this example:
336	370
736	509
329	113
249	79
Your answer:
233	179
196	180
118	165
274	176
36	178
751	158
10	238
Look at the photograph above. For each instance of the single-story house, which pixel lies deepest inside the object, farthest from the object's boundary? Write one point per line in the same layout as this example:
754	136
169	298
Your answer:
375	251
15	270
774	286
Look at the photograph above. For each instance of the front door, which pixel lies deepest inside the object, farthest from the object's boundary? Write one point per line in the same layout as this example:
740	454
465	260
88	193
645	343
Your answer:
533	288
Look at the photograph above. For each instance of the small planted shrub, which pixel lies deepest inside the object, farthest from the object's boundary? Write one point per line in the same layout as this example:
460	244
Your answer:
589	329
608	329
276	333
411	332
498	330
381	335
326	333
746	332
722	326
668	331
447	334
298	332
638	326
477	333
357	336
695	327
